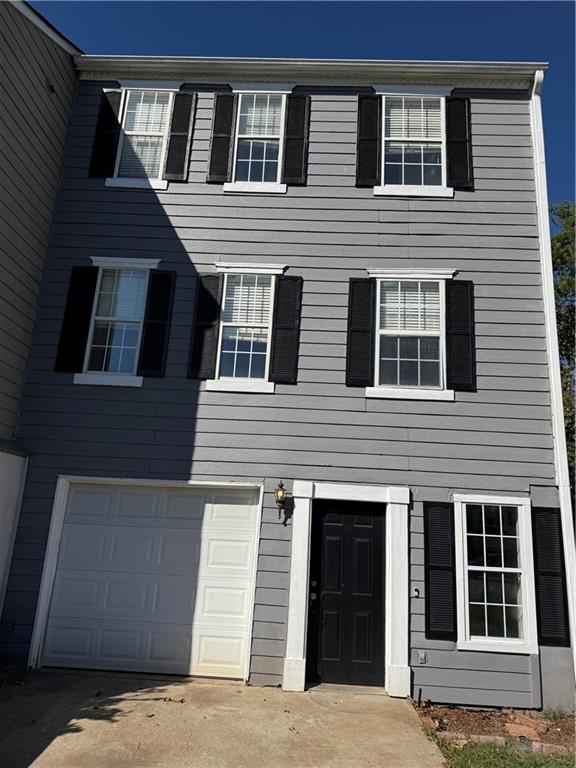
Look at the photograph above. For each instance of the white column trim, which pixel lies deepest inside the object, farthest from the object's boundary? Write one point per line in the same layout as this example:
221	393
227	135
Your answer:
397	672
559	437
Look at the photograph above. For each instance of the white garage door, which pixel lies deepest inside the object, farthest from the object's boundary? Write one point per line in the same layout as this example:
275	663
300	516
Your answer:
154	580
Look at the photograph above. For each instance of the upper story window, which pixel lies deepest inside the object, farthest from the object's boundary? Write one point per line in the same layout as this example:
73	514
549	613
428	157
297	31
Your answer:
117	319
495	574
410	346
259	137
144	135
245	325
414	142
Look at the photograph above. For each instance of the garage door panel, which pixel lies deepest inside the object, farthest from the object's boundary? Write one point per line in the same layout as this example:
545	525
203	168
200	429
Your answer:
154	579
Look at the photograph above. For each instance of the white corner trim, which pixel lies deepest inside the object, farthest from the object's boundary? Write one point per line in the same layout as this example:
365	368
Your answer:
557	408
108	379
240	385
151	85
136	183
398	190
529	643
110	262
415	273
405	393
262	87
397	676
29	12
391	89
255	187
243	268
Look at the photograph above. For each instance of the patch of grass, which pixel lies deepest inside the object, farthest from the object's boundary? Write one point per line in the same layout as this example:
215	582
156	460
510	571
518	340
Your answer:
554	713
490	756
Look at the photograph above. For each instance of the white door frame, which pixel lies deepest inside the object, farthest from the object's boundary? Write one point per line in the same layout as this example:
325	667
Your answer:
55	535
396	499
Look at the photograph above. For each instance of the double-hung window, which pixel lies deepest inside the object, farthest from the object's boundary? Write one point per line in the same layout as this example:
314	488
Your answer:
145	124
495	577
259	138
410	337
245	328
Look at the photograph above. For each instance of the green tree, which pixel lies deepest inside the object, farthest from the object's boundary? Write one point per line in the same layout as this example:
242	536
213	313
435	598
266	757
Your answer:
563	260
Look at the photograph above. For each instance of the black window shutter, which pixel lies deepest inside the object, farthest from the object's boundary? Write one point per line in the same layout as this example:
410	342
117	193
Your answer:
180	140
550	575
156	328
460	345
459	143
205	334
296	139
222	142
361	332
368	146
439	571
106	138
286	330
77	316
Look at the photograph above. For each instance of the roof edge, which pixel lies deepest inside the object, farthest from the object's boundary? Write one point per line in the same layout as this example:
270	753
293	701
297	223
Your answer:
375	69
46	27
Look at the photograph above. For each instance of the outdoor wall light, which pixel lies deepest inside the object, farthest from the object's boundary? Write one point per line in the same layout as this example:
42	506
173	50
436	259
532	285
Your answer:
280	494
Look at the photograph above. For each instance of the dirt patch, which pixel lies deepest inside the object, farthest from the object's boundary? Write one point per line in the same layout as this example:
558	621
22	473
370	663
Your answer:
493	722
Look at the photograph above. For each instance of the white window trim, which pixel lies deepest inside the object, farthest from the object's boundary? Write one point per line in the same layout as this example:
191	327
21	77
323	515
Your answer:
230	384
263	187
396	642
109	378
529	643
407	190
148	183
412	393
228	267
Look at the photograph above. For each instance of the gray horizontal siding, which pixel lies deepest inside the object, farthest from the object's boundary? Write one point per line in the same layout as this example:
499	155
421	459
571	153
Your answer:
497	439
30	159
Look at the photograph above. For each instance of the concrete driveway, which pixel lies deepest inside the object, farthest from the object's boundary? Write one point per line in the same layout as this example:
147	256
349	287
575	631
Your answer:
89	720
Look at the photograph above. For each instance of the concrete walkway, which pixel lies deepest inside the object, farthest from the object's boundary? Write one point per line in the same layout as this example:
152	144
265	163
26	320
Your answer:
89	720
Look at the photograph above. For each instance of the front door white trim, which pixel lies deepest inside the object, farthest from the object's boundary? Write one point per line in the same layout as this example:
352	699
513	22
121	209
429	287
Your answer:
55	534
397	499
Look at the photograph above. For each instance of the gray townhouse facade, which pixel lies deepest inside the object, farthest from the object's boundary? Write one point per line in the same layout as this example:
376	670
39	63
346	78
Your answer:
38	76
330	274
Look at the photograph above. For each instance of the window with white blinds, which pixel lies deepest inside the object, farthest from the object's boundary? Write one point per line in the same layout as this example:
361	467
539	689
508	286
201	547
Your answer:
144	136
410	333
414	141
245	326
259	137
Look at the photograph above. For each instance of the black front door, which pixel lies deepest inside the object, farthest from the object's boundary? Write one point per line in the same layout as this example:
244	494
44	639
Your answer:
346	594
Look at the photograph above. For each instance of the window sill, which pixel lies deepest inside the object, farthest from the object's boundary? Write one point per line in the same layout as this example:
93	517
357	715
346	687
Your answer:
108	379
498	646
137	183
393	190
398	393
258	187
239	385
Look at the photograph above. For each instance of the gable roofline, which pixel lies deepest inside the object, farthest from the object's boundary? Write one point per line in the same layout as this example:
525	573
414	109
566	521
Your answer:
46	27
497	72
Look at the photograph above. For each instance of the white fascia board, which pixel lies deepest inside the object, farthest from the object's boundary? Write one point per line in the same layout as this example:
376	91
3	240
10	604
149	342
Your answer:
44	26
415	273
559	436
229	267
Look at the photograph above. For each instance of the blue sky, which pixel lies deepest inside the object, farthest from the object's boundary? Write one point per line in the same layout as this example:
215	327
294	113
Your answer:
508	31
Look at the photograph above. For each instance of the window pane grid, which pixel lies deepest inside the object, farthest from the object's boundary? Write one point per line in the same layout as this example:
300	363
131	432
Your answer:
258	137
413	142
494	577
144	128
117	321
245	326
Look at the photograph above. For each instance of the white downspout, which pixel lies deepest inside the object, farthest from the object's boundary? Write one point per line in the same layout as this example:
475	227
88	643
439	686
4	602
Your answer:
558	434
